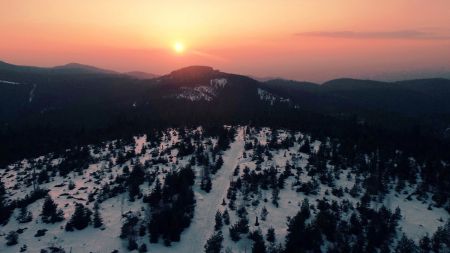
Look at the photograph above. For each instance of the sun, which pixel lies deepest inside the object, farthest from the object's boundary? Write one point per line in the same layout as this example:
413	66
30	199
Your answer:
178	47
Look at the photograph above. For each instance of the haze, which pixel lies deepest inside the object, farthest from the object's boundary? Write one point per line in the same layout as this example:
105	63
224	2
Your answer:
304	40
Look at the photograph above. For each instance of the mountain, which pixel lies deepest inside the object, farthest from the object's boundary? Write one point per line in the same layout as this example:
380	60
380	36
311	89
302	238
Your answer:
395	105
4	66
199	76
77	68
38	104
141	75
70	68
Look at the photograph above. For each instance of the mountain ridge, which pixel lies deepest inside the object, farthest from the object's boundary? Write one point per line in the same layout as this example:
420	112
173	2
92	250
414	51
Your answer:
198	70
108	104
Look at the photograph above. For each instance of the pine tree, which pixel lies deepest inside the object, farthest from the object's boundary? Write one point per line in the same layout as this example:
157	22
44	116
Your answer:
326	222
5	212
169	221
143	248
98	221
397	215
43	177
156	195
440	239
270	235
236	171
12	238
242	212
24	215
50	212
305	148
154	228
132	244
206	184
80	218
226	217
128	227
218	165
304	210
406	245
355	224
135	179
214	243
243	225
275	196
425	244
2	190
49	207
219	222
302	237
234	232
264	213
258	242
71	185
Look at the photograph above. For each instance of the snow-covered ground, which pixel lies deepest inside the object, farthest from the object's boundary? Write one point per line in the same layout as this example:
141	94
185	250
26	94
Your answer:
417	219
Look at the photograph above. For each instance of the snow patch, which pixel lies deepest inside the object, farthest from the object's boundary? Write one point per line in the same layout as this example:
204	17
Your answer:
9	82
197	94
206	93
271	98
140	141
31	96
218	83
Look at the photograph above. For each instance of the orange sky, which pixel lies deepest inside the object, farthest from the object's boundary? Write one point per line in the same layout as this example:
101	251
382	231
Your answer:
303	39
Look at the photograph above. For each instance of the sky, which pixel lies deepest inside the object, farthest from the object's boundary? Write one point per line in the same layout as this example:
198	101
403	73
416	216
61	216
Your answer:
312	40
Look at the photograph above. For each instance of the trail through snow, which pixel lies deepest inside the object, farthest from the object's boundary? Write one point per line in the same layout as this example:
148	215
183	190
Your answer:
202	226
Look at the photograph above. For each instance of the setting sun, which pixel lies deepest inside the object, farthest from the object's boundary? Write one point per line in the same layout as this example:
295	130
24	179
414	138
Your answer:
178	47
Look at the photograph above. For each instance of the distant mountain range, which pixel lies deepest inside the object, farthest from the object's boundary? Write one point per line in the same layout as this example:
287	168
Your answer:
387	102
73	68
76	99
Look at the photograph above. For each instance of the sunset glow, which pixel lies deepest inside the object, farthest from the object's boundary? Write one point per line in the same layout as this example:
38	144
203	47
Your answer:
305	40
178	47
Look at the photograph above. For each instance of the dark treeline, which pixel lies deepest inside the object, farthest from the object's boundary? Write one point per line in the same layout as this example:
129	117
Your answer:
54	133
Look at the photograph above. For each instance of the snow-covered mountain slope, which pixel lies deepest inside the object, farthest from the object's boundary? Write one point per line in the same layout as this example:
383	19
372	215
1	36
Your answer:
202	92
265	176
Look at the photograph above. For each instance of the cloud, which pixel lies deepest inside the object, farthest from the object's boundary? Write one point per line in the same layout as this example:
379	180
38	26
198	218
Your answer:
400	34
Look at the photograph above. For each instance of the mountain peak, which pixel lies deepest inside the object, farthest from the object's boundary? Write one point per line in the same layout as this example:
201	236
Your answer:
73	66
5	64
192	76
194	71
